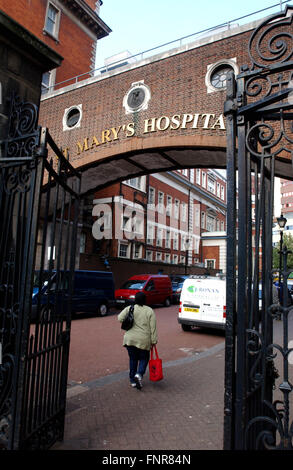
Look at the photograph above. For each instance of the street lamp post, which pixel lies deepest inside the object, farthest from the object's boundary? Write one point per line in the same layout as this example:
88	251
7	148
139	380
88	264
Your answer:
281	222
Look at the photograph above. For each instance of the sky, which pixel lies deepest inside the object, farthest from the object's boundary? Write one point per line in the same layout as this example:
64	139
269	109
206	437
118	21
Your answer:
139	25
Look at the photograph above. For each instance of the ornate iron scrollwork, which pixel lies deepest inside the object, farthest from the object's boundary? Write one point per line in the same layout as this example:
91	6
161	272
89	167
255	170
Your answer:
272	41
23	131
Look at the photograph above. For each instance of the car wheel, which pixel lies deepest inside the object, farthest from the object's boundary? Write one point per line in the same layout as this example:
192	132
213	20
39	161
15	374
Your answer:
103	310
185	327
167	302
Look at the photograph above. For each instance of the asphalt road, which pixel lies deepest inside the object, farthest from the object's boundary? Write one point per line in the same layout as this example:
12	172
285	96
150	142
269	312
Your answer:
96	343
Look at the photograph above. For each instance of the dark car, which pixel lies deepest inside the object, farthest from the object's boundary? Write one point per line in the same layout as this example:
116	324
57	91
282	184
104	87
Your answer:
177	283
93	291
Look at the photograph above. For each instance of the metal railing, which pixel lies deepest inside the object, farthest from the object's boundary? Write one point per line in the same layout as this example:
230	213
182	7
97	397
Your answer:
142	55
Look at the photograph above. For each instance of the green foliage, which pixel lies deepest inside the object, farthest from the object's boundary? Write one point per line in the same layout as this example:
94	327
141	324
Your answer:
288	242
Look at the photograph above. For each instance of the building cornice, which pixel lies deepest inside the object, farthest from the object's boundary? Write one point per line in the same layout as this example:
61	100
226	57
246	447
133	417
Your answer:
88	17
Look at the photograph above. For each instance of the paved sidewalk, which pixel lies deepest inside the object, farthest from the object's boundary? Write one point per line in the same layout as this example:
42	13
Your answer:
182	412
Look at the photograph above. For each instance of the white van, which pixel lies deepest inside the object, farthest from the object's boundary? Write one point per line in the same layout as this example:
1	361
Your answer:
203	303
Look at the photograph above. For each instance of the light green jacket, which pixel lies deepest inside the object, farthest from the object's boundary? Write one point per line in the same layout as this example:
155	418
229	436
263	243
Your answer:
144	331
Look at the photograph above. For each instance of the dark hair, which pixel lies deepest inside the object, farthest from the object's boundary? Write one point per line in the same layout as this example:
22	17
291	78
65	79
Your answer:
140	298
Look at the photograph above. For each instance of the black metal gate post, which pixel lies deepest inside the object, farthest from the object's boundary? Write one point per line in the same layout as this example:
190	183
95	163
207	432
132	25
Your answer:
259	107
39	208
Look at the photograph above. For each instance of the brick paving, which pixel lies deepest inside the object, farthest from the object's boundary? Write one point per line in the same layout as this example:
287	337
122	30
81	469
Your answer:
182	412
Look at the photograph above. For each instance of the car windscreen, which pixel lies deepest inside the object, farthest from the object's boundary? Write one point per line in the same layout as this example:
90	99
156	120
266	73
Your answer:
135	284
44	275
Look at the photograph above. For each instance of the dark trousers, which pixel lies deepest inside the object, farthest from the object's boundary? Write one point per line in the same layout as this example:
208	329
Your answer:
138	361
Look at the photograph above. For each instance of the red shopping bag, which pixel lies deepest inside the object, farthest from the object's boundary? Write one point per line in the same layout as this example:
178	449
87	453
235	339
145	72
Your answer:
155	366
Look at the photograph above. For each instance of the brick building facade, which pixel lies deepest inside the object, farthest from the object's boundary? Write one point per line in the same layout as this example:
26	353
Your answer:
58	23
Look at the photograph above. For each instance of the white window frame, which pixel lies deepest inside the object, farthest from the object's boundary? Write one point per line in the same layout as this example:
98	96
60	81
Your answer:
127	250
222	193
149	255
55	32
207	262
137	254
168	239
175	241
161	198
175	259
210	223
158	256
159	239
198	175
176	208
211	185
150	234
151	198
138	183
52	78
169	205
183	211
167	258
204	179
202	220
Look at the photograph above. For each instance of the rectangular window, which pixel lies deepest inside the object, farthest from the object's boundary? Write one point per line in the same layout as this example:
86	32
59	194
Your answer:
222	192
159	237
158	256
204	180
137	251
183	211
161	202
48	81
176	209
211	185
167	257
52	20
198	176
210	263
152	197
168	239
202	220
149	255
123	250
150	234
210	223
138	183
175	259
175	241
218	190
169	205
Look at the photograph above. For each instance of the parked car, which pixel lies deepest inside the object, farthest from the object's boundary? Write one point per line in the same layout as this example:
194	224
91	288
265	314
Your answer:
177	283
93	292
157	288
203	303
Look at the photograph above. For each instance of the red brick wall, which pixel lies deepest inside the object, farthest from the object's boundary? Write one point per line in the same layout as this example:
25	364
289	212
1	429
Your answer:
211	252
177	85
76	54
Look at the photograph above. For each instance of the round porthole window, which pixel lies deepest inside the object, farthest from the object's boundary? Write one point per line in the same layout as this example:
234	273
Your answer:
72	117
216	77
219	76
137	98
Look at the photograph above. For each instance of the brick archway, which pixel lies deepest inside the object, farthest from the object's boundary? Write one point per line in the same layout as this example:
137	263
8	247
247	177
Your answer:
141	156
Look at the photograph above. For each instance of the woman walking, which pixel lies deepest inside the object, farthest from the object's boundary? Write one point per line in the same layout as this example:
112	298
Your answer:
140	338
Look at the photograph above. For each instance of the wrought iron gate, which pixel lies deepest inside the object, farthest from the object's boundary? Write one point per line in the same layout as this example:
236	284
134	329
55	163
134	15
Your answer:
38	211
259	115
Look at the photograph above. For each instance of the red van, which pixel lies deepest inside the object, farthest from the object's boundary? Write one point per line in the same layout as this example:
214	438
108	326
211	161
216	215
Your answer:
157	288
